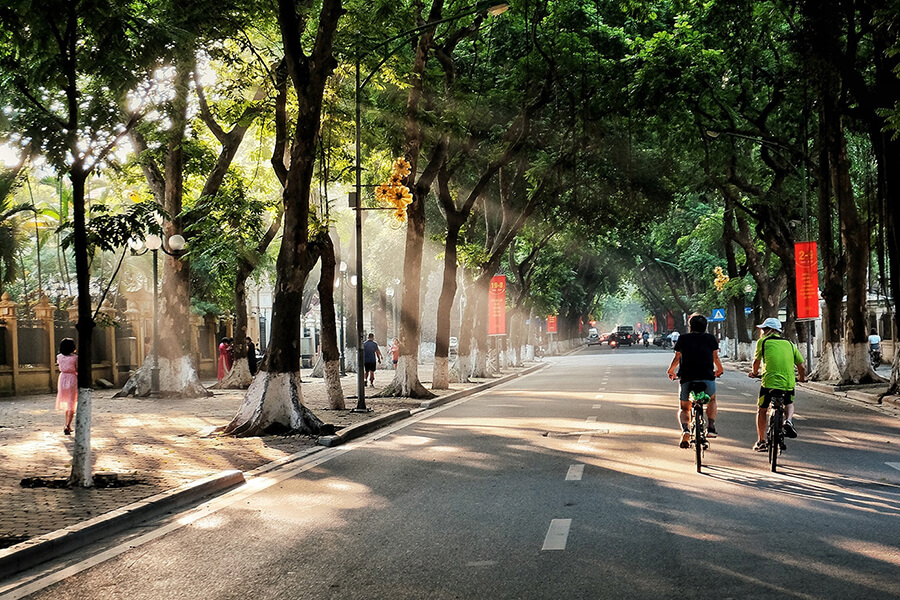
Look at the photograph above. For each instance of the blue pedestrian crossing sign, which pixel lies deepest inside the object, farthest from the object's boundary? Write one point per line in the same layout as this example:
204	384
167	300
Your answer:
718	314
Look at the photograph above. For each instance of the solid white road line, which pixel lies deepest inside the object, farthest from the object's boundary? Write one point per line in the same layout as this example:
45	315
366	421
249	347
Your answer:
598	396
576	472
557	534
894	465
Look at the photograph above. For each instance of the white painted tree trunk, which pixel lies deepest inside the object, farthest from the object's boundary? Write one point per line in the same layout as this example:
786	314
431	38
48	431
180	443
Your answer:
830	363
350	360
177	379
333	388
274	405
319	368
528	354
461	372
82	464
238	378
406	380
440	374
480	367
744	352
858	365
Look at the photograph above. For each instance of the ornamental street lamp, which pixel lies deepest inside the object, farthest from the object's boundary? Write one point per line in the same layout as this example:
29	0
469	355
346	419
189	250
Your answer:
154	244
491	8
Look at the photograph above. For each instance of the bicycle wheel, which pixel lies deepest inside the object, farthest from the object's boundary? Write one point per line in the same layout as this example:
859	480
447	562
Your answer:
775	443
698	435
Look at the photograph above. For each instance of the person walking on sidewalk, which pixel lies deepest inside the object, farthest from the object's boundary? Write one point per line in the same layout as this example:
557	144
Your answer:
697	355
67	385
395	352
371	358
777	357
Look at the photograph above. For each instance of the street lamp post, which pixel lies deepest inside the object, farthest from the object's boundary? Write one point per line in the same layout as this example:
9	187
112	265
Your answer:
493	9
343	282
154	244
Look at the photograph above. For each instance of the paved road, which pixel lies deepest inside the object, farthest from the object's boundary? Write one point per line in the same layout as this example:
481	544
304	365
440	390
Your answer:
564	484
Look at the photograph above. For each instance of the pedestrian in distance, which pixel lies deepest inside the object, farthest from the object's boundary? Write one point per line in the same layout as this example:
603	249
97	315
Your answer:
395	352
223	365
697	359
777	357
67	385
371	358
251	356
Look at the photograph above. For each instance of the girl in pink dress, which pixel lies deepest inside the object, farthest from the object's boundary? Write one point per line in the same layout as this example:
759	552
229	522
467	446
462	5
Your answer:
223	366
67	388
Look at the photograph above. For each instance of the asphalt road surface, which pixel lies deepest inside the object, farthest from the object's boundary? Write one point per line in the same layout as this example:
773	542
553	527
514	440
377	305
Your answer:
565	484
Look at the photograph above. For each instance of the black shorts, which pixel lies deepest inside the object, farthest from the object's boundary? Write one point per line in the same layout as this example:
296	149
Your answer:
371	366
765	398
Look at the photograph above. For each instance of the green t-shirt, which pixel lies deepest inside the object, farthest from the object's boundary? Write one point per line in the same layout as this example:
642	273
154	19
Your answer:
778	363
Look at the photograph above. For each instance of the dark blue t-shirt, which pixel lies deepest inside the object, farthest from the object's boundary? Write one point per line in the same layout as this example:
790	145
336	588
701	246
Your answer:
370	349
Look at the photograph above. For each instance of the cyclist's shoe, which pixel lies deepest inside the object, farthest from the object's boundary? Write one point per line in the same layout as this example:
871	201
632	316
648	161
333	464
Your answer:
711	431
789	430
760	447
685	439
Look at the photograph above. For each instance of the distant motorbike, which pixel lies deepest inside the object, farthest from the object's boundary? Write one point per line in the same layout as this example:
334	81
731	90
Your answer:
613	343
875	357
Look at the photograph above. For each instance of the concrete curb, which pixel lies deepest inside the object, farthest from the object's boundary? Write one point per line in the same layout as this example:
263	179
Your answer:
361	429
428	404
51	545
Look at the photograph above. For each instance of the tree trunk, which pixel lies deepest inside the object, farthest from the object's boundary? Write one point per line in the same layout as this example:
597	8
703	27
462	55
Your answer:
441	371
81	474
331	355
239	377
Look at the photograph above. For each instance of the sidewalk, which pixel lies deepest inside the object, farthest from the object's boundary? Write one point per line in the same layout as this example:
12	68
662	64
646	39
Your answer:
159	443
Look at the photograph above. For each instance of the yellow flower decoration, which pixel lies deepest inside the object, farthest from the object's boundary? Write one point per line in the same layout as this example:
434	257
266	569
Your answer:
394	194
721	278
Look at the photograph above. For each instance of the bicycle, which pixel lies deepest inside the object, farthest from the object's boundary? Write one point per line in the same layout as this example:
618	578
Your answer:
699	398
775	430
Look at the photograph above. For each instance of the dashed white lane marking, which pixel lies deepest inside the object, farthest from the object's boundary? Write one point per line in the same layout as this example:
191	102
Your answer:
598	397
557	534
894	465
728	387
592	419
585	439
746	394
576	472
837	437
596	406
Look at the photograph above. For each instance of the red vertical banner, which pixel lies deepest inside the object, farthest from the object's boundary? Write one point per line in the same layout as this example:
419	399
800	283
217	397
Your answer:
551	324
806	261
497	306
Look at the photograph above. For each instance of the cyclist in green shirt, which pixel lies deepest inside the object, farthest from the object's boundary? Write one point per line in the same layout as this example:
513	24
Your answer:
777	356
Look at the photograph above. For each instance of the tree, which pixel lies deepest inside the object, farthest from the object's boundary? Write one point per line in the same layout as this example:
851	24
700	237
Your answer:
274	400
65	67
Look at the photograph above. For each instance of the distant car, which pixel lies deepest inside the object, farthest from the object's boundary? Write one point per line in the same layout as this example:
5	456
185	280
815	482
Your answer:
625	335
593	338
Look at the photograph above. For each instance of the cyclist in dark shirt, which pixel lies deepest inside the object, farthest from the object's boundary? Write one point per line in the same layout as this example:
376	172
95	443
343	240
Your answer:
697	355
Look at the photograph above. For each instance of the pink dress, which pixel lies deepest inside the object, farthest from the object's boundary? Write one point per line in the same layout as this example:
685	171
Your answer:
223	366
67	390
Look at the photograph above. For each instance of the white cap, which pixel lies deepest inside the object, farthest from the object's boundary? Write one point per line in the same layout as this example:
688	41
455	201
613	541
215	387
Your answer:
770	323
